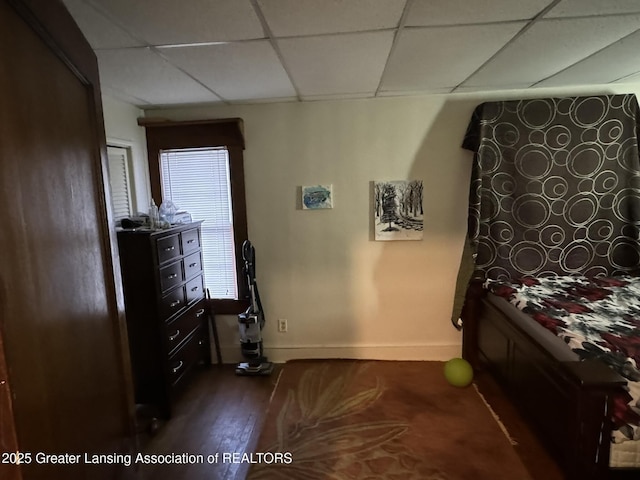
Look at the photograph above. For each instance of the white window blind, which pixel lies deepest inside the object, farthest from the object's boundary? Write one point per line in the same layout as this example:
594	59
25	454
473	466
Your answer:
197	180
119	182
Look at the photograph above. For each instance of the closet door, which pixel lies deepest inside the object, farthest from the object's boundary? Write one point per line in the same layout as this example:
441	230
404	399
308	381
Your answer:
60	304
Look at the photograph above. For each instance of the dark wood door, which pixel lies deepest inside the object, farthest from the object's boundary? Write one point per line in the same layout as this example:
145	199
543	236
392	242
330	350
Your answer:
61	305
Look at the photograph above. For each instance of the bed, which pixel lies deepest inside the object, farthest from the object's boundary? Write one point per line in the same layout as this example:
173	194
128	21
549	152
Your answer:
555	200
567	401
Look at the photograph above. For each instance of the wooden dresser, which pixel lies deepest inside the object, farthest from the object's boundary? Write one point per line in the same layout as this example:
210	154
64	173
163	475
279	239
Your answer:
166	310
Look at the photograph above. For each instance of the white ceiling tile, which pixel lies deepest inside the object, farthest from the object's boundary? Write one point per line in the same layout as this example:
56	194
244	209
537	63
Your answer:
140	73
468	89
98	30
337	64
430	91
630	79
550	46
235	71
122	96
166	22
336	96
578	8
264	100
605	66
457	12
439	57
309	17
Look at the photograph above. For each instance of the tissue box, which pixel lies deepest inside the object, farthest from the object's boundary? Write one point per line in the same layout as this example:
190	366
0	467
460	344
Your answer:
182	217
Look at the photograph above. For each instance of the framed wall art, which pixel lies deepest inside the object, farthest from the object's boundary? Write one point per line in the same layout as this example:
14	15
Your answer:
317	197
397	210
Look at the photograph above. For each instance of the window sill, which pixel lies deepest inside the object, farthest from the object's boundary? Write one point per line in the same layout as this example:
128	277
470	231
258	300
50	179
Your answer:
228	307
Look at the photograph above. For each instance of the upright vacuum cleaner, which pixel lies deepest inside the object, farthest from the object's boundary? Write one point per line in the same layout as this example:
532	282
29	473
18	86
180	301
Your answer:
252	321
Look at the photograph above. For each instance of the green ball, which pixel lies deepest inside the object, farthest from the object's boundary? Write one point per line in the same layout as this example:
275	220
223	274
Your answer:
458	372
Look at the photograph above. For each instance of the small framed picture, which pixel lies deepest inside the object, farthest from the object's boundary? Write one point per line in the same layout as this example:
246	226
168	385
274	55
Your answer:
316	197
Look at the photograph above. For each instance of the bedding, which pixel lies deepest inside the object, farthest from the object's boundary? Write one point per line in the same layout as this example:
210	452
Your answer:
596	317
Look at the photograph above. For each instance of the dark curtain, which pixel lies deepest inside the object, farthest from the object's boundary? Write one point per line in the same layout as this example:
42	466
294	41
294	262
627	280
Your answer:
555	187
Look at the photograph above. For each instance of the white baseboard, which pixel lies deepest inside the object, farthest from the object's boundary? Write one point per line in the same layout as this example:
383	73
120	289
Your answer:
232	354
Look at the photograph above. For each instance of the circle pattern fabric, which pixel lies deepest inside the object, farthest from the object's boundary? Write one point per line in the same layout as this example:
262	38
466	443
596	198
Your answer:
555	187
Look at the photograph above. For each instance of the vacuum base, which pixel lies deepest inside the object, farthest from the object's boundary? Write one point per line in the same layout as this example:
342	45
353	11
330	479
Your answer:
245	368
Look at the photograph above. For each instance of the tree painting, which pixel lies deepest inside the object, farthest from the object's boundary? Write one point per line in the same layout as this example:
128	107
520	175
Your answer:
398	210
389	207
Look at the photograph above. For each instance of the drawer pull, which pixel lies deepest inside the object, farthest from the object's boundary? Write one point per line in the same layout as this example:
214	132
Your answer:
191	265
174	336
177	368
168	249
172	276
199	313
190	241
175	304
194	289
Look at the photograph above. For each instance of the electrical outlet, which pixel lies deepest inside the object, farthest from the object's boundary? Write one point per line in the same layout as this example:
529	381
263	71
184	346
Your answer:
282	325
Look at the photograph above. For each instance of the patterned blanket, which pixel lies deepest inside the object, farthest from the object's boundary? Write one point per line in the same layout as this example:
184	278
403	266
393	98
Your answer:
597	318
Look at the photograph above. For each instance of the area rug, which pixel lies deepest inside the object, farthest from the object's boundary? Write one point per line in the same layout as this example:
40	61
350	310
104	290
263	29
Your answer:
357	420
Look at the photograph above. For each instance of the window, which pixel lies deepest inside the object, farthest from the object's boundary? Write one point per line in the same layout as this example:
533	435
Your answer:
198	165
197	180
119	181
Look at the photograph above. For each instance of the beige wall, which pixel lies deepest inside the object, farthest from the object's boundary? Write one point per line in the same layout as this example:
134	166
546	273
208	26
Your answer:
344	294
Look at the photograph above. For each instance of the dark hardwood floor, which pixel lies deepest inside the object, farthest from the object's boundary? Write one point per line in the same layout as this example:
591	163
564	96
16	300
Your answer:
223	413
219	413
538	462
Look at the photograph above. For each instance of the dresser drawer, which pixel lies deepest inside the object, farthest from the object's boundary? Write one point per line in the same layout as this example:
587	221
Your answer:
172	303
192	265
168	248
193	351
170	276
183	326
190	241
195	289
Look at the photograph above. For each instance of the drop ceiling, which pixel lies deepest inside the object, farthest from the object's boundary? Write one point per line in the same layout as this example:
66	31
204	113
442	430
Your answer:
180	52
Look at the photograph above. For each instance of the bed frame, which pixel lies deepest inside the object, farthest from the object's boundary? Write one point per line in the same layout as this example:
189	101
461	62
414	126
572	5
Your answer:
565	402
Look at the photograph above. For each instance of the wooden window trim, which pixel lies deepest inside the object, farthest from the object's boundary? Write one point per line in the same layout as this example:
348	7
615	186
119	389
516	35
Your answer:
164	135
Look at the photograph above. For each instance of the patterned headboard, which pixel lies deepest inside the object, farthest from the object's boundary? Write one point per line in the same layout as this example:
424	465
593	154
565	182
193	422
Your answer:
555	186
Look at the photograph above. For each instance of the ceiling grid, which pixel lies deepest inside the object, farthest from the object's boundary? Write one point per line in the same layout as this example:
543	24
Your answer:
178	52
